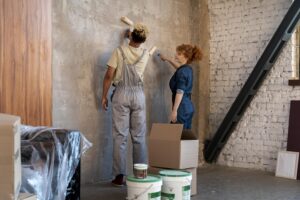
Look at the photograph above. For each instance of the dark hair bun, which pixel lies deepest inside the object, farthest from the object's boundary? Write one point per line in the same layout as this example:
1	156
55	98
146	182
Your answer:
139	33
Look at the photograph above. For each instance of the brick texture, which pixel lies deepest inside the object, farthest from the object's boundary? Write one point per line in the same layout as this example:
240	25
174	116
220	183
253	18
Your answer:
240	31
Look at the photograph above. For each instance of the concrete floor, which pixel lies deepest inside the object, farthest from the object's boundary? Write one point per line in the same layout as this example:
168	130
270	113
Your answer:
218	183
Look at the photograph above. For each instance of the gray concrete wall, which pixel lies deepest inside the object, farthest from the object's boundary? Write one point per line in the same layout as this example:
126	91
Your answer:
84	35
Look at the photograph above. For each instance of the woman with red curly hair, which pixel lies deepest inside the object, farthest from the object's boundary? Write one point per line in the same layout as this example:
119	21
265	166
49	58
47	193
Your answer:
181	84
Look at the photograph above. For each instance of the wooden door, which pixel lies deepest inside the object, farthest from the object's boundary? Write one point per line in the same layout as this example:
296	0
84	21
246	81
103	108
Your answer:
25	60
293	142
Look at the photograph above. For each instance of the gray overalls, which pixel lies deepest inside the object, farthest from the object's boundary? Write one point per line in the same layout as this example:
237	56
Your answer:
128	114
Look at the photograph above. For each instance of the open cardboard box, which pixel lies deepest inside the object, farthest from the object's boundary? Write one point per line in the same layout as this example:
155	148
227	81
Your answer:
172	147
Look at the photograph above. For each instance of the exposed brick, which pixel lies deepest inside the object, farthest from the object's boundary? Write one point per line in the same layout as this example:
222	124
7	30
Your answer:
240	31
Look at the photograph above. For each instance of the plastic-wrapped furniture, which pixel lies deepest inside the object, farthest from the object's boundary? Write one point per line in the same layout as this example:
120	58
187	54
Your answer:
51	162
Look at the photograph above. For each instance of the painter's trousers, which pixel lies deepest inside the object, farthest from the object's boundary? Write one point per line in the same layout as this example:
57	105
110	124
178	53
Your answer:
185	112
129	116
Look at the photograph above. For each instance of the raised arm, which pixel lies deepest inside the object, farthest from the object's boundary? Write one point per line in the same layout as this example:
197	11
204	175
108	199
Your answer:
174	64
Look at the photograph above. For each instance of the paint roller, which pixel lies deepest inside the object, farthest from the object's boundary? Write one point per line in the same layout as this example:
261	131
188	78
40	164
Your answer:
127	21
152	50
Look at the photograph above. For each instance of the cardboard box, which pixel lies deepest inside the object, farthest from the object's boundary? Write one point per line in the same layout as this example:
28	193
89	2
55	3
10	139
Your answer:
10	158
171	147
26	196
155	170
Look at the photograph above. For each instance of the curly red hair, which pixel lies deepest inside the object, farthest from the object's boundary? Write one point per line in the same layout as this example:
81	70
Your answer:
192	53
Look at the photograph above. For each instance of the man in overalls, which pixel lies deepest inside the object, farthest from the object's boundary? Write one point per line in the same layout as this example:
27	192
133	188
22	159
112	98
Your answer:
125	69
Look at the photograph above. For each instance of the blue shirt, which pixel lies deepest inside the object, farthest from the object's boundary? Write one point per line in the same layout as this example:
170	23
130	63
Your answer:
182	81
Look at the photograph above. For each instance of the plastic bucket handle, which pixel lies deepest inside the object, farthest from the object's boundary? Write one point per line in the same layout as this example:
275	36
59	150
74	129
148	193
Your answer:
138	195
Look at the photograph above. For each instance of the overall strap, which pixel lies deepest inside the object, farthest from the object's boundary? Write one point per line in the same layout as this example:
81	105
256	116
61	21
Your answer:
122	52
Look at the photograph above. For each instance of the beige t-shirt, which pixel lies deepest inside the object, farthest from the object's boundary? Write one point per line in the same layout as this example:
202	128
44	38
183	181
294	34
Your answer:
132	54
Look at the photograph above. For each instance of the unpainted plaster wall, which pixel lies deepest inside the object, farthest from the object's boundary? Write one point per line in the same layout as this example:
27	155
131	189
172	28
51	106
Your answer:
84	35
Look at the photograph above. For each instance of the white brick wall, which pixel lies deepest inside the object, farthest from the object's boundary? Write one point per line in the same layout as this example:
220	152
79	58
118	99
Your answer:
240	30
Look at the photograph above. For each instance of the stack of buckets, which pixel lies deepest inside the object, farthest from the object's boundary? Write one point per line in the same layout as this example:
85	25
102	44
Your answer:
170	185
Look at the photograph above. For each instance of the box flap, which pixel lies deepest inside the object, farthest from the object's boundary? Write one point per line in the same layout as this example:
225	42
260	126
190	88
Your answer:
188	135
166	132
189	153
6	119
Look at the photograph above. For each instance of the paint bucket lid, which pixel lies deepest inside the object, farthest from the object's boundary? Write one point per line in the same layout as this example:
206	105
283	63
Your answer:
174	173
140	166
148	179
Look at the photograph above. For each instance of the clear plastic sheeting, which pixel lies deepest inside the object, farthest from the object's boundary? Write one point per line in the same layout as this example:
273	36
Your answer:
50	157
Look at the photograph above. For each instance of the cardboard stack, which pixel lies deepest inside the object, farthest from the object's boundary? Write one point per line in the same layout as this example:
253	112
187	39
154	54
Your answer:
170	147
10	158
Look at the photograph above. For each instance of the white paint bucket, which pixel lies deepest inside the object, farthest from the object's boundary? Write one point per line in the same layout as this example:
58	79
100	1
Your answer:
140	170
148	188
176	185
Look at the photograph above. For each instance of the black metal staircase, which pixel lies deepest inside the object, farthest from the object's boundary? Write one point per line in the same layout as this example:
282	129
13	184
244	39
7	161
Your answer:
260	71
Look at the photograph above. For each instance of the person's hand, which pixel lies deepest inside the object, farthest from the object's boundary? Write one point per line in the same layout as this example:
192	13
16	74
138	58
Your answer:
104	103
173	116
162	57
127	33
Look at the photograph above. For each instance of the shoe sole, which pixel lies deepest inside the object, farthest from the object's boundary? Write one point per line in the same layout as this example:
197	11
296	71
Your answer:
117	185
